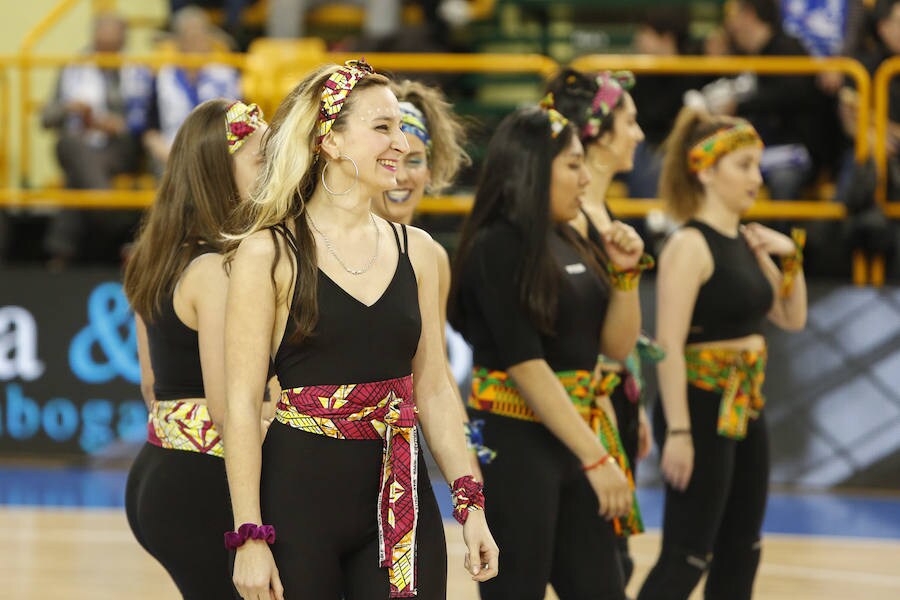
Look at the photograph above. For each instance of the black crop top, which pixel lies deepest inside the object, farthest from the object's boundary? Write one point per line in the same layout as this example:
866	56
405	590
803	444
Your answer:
497	326
352	342
174	354
735	300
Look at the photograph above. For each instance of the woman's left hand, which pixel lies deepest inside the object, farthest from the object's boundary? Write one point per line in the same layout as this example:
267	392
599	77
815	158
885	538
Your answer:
645	439
483	555
767	241
623	245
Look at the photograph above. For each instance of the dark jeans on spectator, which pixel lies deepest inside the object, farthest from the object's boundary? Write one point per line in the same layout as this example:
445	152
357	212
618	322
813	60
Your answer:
88	167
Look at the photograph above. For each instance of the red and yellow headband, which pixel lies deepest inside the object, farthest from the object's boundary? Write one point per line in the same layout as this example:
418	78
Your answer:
336	90
241	120
710	149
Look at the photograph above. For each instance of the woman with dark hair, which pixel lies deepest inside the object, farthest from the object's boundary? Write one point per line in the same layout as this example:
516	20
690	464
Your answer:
604	114
346	304
716	286
538	302
177	498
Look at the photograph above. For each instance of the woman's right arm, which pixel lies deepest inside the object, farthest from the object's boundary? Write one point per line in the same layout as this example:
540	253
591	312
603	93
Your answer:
684	264
249	323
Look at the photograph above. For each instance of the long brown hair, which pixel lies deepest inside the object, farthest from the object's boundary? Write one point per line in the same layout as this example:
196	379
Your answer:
195	197
288	178
679	187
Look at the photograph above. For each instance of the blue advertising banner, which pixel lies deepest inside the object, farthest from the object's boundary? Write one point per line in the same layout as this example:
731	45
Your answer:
69	372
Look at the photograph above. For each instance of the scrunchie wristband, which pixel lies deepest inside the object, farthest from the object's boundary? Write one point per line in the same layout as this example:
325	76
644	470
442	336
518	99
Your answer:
467	494
792	264
626	280
249	531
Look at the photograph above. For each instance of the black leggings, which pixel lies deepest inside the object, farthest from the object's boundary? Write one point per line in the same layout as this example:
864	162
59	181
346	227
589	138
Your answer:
628	421
716	522
543	514
321	495
178	507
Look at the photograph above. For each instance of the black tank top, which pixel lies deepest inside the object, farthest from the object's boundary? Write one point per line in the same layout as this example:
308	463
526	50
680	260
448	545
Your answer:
352	342
174	353
735	300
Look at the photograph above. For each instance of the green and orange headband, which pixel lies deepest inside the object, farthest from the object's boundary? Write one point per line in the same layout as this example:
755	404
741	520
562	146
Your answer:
710	149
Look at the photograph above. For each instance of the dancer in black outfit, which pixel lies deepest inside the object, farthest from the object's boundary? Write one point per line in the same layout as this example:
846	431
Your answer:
717	283
538	303
177	494
351	319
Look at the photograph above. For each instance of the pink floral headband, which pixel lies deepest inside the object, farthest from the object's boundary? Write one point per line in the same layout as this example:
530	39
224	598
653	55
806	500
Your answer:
336	90
611	86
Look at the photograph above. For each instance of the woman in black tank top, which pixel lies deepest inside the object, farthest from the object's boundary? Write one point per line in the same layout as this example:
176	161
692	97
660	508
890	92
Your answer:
601	107
176	496
338	503
717	283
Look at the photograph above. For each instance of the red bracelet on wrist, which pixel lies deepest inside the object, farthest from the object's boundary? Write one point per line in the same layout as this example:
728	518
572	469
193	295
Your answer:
598	463
249	531
467	494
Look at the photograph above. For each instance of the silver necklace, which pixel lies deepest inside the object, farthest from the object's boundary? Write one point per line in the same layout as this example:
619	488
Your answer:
333	253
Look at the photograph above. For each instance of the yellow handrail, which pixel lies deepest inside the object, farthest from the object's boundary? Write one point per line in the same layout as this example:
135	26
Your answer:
881	89
446	205
455	63
769	65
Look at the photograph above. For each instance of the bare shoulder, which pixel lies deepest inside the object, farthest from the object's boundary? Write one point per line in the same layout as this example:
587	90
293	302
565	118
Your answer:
686	250
206	271
441	255
422	251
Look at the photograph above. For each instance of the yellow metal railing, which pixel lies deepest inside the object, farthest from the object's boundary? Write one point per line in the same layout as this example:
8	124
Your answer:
886	72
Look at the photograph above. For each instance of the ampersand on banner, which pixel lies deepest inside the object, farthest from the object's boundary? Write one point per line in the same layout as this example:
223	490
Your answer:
111	327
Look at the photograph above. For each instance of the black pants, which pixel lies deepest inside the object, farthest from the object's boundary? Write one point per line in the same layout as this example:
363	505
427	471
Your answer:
716	522
321	494
543	514
628	420
178	508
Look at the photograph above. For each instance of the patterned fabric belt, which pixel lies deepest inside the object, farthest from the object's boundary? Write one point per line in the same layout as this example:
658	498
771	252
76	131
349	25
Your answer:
738	376
382	410
496	392
180	425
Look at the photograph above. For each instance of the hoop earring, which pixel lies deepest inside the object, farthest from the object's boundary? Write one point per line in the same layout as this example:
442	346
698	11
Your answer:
352	185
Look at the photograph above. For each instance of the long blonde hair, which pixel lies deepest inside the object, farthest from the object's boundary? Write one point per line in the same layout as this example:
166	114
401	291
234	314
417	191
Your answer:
287	180
679	187
447	133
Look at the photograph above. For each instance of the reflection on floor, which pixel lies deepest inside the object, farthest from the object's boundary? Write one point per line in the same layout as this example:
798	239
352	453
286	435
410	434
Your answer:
827	514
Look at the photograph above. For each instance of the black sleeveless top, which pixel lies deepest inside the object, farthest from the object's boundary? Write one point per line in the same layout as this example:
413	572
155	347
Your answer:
174	353
735	300
352	342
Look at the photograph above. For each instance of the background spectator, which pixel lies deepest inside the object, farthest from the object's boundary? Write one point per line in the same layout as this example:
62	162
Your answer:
88	109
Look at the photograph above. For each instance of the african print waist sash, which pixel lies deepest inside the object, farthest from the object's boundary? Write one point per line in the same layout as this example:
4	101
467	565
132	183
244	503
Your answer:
496	392
382	410
181	425
738	375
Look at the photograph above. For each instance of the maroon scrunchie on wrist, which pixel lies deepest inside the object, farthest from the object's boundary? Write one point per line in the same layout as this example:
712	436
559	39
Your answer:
467	494
249	531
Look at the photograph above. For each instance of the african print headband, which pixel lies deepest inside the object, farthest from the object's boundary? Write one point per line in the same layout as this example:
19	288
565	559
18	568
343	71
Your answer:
241	120
412	121
610	89
336	90
557	121
710	149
